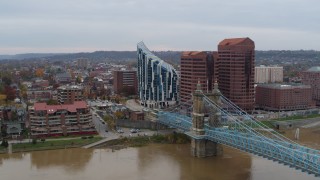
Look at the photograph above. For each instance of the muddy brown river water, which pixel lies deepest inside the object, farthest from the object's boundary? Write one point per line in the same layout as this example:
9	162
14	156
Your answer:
155	161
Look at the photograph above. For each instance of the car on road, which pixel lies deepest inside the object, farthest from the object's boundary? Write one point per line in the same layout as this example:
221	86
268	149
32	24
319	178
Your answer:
134	130
119	131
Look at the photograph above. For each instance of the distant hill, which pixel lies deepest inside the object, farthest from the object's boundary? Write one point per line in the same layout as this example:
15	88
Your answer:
293	55
116	55
28	56
262	57
97	55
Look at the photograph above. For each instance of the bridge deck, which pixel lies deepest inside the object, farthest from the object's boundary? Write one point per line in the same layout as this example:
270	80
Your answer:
279	150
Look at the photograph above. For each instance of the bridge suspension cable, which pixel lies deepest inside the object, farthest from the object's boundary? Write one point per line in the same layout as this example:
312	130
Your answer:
250	118
279	144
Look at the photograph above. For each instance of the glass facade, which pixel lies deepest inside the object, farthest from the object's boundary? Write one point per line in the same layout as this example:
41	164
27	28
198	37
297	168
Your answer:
157	80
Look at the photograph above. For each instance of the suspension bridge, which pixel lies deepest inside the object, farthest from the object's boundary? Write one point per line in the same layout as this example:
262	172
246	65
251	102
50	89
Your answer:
216	121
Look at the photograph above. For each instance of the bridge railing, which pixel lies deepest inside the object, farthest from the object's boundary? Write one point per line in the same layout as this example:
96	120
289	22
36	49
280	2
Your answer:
251	125
267	149
175	120
280	143
237	129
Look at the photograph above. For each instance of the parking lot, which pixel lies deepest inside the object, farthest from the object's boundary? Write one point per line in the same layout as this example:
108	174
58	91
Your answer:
104	131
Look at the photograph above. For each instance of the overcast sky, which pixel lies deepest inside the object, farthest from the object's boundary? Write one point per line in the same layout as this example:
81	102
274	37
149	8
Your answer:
91	25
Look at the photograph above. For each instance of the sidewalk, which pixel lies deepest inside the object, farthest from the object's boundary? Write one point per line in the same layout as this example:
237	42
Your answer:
99	142
117	136
132	105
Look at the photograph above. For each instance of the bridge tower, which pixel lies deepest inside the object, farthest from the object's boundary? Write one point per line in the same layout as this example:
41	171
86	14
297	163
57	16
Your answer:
200	147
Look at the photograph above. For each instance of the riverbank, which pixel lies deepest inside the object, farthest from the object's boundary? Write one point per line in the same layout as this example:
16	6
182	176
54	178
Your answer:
139	141
122	142
52	144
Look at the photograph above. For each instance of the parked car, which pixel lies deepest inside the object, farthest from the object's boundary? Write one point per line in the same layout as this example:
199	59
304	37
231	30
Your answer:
120	131
133	131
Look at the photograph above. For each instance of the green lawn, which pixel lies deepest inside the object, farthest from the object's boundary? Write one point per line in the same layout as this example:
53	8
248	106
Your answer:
53	144
298	117
267	123
139	141
69	136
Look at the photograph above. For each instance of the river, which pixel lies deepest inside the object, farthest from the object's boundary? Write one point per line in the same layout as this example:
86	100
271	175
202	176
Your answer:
155	161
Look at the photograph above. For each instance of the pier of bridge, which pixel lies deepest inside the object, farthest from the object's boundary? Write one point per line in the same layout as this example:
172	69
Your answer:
200	146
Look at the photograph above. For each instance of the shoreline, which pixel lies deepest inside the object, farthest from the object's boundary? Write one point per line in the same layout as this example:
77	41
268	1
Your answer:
120	143
139	141
51	144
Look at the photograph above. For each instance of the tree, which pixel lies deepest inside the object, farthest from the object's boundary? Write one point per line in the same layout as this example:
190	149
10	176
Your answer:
14	116
52	102
10	93
7	80
23	91
4	143
1	88
78	80
119	114
26	75
110	121
34	141
39	72
4	131
117	99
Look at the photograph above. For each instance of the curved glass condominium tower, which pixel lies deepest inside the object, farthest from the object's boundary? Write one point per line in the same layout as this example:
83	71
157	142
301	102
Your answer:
157	80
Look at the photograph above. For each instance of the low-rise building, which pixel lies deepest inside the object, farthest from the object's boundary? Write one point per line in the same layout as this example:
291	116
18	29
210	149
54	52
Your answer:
40	83
69	94
35	95
136	115
63	78
282	97
56	120
12	119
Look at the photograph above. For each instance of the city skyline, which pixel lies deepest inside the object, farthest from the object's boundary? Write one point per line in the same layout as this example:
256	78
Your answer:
36	26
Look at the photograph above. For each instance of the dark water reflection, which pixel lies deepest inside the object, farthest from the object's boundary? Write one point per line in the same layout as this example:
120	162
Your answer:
163	159
156	162
68	159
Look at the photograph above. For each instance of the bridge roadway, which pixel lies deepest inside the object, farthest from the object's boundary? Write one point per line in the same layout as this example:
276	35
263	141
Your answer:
283	152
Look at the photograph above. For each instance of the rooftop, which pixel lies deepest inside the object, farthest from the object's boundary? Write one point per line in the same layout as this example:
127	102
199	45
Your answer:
153	57
53	108
233	41
63	75
192	53
314	69
70	87
284	86
275	66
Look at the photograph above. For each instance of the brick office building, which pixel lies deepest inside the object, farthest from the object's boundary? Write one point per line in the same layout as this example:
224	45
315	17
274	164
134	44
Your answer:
283	97
312	77
125	82
268	74
197	66
236	71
